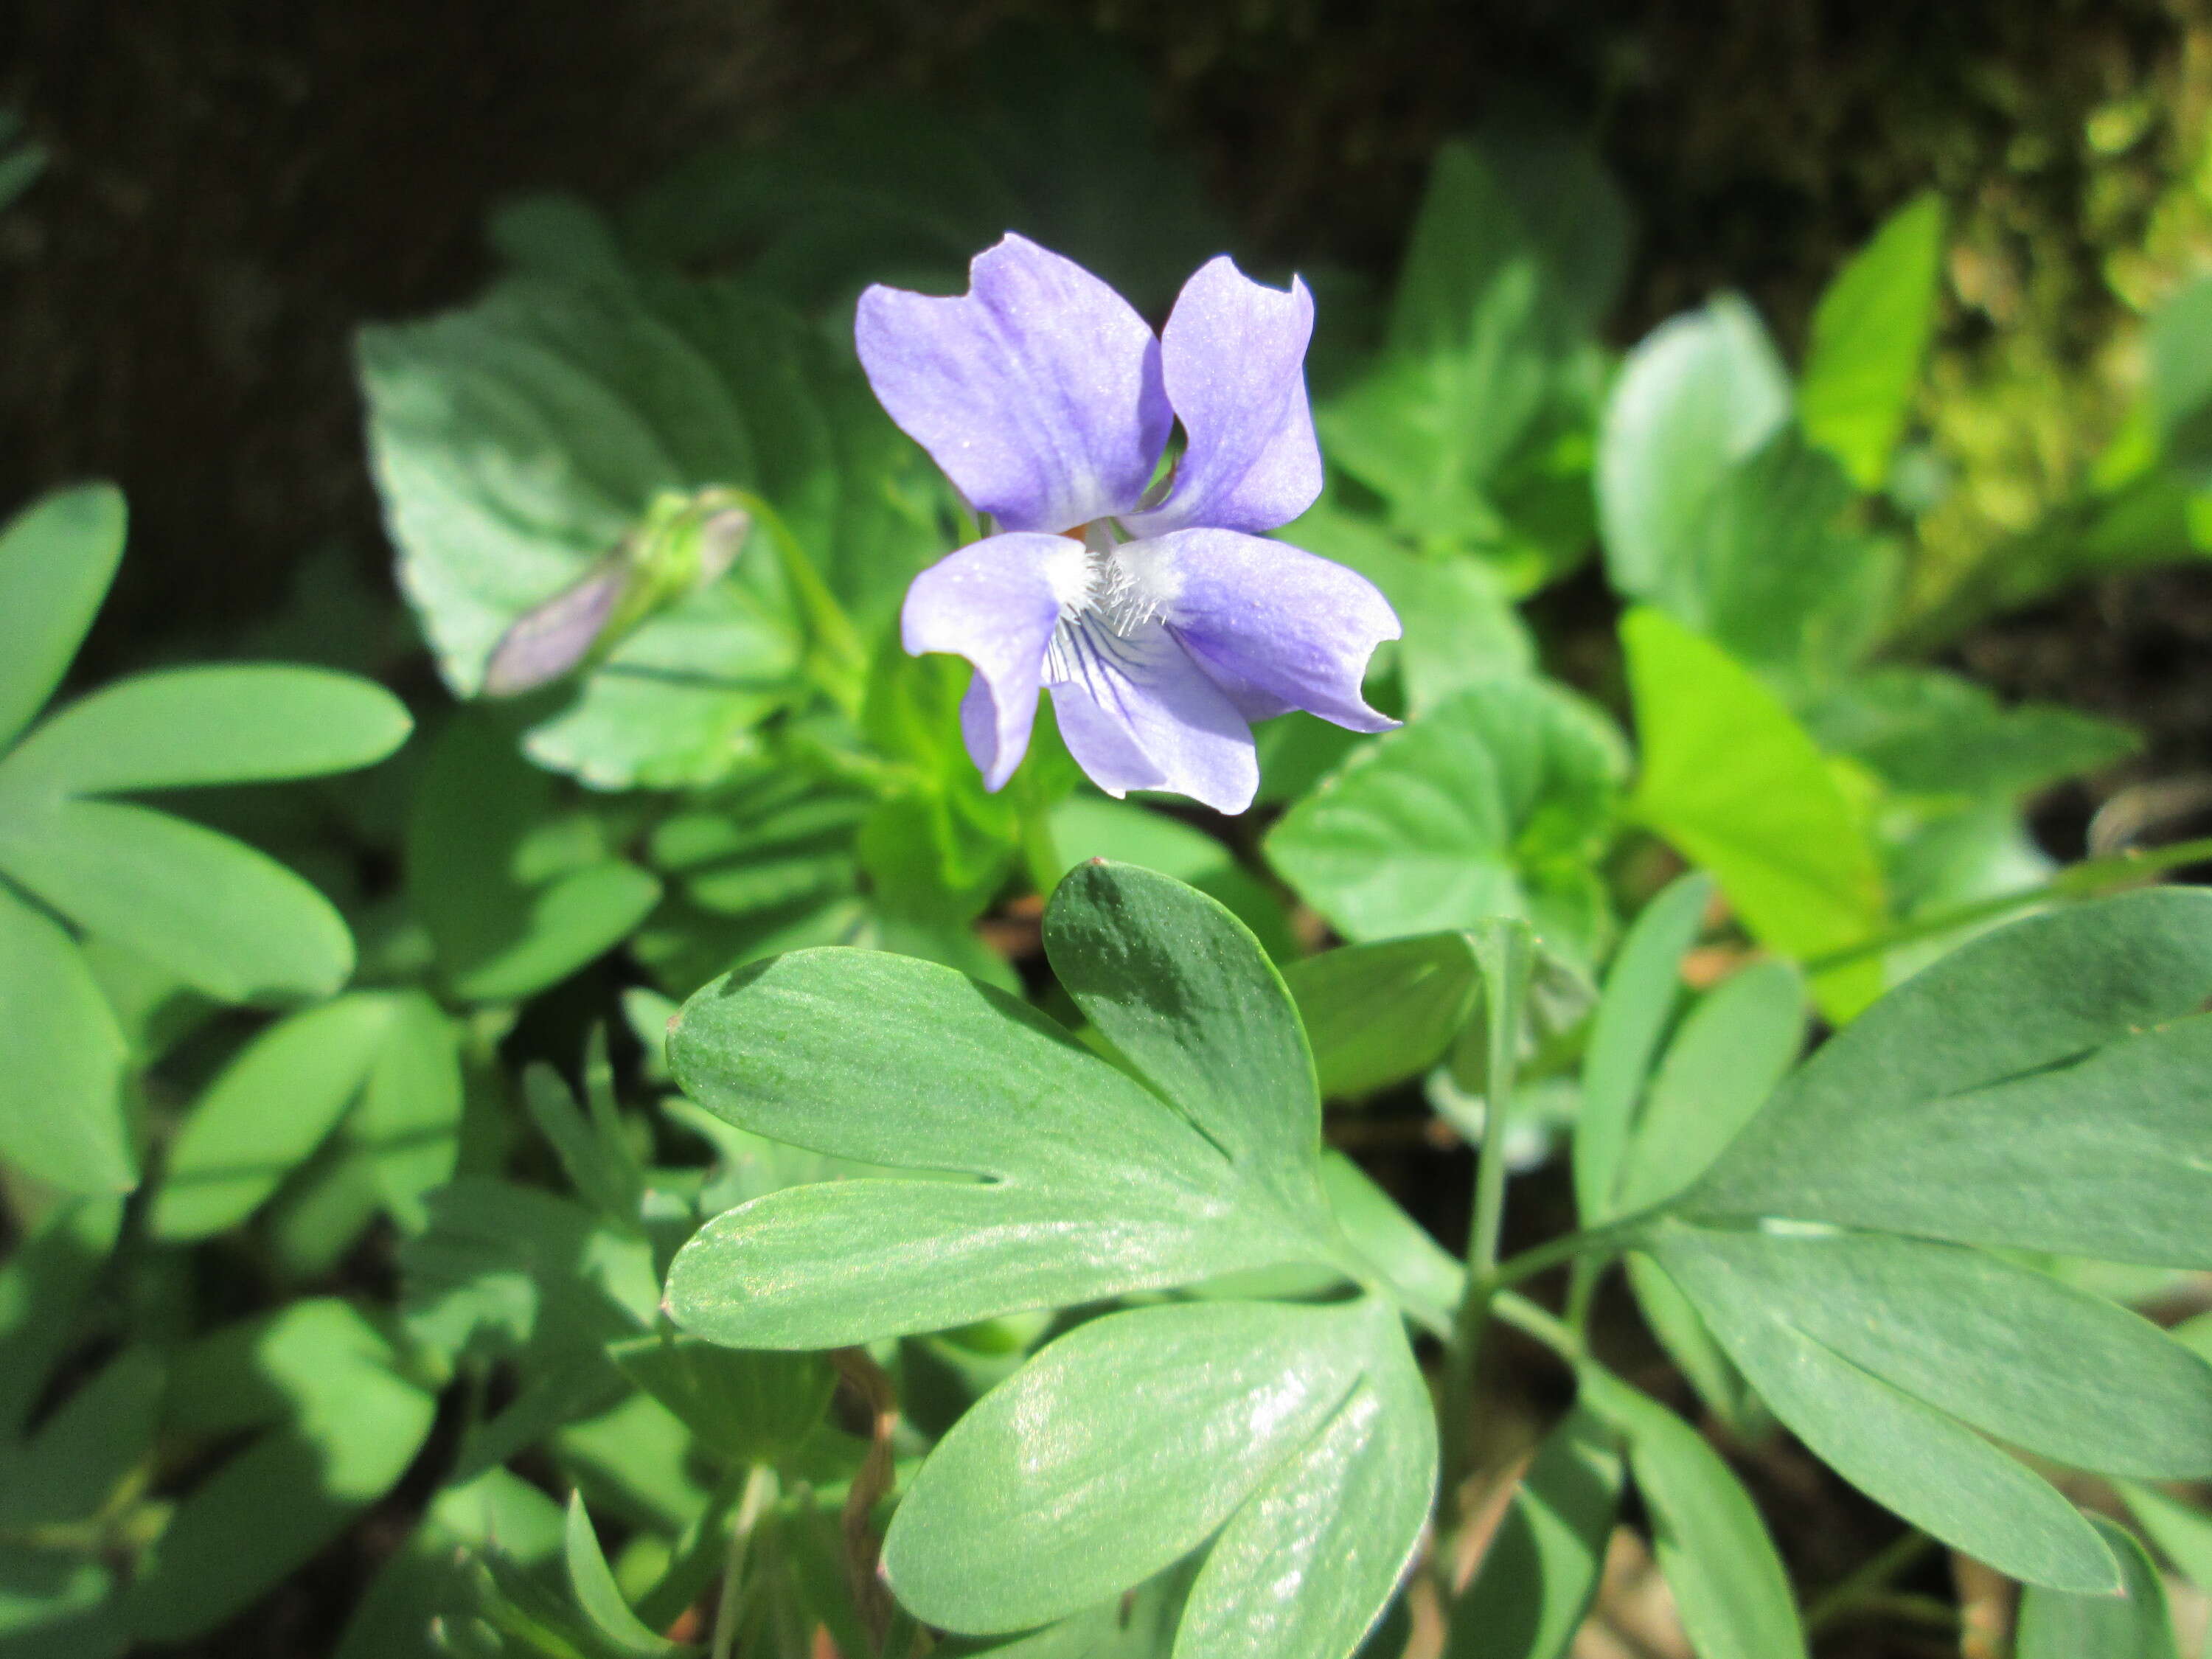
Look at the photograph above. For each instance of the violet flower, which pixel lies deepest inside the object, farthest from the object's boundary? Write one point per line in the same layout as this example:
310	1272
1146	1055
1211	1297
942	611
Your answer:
1158	618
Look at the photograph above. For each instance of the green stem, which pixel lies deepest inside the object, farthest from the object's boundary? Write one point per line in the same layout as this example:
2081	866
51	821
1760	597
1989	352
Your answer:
1040	848
1506	953
1868	1583
759	1494
2087	879
1530	1320
1610	1237
835	654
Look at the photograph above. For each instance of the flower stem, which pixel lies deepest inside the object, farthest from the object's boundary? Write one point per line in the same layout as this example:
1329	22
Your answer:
2090	879
1868	1584
838	659
1610	1236
1506	953
760	1492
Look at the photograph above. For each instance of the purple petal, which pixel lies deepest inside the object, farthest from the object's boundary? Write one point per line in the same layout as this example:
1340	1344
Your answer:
995	602
1138	714
1234	360
1038	391
1278	627
548	639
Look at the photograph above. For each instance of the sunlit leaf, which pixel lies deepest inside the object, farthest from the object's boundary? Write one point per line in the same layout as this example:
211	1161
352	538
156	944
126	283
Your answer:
1871	333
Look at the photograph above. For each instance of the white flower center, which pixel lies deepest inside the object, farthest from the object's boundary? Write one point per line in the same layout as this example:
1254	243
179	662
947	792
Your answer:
1109	592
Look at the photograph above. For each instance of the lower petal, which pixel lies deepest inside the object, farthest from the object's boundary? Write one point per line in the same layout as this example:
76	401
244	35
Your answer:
996	603
1276	626
1138	714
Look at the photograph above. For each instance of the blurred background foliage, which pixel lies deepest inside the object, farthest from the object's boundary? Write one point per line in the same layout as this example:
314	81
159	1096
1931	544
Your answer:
231	187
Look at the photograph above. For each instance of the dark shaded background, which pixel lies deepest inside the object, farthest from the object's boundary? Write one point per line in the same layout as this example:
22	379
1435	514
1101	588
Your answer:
235	183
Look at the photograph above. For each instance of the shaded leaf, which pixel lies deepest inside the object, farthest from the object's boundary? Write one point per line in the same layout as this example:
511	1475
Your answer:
62	1118
1728	1581
1540	1574
2133	1625
56	559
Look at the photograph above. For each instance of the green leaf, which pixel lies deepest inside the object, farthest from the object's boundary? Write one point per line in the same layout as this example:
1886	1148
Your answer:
269	1108
1181	990
1731	1051
2182	1531
1870	334
601	1599
1087	826
1701	392
227	919
56	559
1728	1581
503	1269
744	1407
427	1580
1643	989
44	1290
1735	783
1377	1014
2133	1625
1343	1514
408	1124
1092	1185
1540	1574
54	1604
1927	732
517	896
1934	1112
1883	1354
1515	258
1141	1625
1426	1278
1770	571
598	1161
226	724
70	1469
1461	628
62	1117
2181	393
344	1422
1289	1428
1868	1405
1166	1424
1494	804
517	443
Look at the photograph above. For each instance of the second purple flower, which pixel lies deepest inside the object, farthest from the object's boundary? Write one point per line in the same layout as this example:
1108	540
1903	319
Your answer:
1157	616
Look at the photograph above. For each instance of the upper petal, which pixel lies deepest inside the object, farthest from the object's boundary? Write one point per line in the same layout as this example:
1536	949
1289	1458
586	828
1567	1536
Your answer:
1039	391
1138	714
996	603
1275	625
1233	356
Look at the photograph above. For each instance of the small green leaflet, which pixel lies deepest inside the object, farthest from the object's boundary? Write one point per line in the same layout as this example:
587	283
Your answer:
208	911
1495	802
1871	333
1540	1573
1829	1252
1304	1446
2135	1624
1701	392
1733	780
